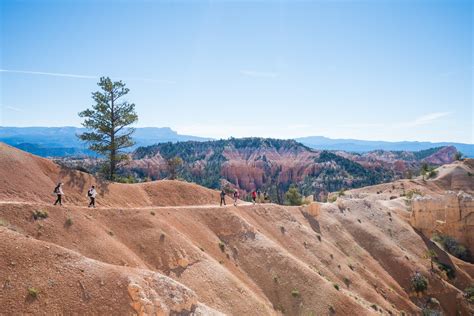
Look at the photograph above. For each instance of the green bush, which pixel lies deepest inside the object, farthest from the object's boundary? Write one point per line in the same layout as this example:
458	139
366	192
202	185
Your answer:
295	293
453	247
33	292
470	293
39	214
410	194
428	171
432	174
68	222
347	281
221	246
293	197
126	179
430	312
419	283
448	269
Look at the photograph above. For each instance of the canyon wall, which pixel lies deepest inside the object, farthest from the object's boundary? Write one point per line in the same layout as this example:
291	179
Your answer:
451	214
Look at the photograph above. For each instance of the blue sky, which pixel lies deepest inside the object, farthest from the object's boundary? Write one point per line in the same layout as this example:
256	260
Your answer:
377	70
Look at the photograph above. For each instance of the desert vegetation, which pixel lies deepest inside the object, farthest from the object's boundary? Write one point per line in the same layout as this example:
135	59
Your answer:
419	283
40	214
453	247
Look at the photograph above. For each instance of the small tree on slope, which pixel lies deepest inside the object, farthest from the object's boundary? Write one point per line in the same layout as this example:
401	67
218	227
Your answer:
293	197
173	166
108	122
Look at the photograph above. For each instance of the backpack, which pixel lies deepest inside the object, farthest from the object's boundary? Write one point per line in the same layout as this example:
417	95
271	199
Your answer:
56	190
89	193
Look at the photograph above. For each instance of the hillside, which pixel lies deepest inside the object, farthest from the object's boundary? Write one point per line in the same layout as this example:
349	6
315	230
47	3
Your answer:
34	179
272	165
403	162
351	257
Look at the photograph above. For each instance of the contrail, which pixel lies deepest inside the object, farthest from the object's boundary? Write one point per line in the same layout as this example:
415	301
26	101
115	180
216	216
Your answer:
56	74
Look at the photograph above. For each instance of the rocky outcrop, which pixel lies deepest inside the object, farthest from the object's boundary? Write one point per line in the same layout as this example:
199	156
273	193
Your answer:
451	214
158	295
444	155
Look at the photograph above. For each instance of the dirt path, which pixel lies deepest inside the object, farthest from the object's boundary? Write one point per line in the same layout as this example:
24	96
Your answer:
206	206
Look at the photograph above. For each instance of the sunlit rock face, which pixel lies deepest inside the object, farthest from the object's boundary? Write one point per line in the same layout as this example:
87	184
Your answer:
451	214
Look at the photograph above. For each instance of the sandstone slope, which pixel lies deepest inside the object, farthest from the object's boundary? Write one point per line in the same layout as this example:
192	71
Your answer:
351	257
25	177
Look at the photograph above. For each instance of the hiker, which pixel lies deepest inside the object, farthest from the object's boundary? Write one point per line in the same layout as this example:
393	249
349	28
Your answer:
259	194
222	197
58	190
236	197
265	196
254	196
92	193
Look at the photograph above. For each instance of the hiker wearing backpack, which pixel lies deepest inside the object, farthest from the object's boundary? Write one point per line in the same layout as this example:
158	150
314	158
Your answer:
236	197
92	193
58	190
222	197
254	196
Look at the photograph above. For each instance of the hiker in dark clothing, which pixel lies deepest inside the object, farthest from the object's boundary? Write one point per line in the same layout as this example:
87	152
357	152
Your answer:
236	197
58	190
222	197
259	195
92	193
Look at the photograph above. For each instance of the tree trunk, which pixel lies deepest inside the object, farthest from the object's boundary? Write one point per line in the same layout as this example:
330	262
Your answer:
112	138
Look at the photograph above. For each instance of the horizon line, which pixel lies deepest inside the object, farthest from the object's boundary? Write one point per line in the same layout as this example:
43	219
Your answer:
229	137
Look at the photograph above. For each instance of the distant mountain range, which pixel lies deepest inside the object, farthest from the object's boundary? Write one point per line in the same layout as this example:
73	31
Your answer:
62	141
361	146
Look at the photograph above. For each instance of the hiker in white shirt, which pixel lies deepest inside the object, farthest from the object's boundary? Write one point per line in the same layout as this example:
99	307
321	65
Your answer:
92	193
58	190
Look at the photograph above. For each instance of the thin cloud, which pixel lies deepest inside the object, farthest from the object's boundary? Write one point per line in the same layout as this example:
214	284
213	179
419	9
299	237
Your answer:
419	121
78	76
361	125
55	74
425	119
14	109
258	74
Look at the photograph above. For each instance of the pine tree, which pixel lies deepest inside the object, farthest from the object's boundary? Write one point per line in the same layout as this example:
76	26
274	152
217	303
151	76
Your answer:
108	123
173	166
